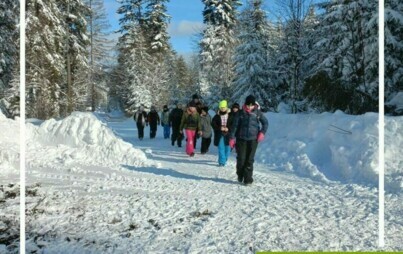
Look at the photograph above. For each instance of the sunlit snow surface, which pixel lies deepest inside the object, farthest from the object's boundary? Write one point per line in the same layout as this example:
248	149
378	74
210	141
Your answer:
103	190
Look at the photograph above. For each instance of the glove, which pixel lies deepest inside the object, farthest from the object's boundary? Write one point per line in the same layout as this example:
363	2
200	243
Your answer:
260	137
232	143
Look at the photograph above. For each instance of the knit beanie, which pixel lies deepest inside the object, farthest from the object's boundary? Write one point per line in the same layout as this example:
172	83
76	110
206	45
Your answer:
223	104
250	100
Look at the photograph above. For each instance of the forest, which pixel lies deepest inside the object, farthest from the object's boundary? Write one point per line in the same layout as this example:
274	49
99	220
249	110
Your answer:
309	57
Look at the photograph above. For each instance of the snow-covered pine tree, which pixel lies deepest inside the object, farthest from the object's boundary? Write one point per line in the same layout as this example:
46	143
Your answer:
136	67
251	71
217	48
156	23
76	55
45	62
293	49
9	57
132	11
348	47
99	47
393	48
182	81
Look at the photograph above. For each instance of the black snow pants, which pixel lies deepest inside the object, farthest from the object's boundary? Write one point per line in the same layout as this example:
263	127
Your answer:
246	150
176	136
153	130
140	129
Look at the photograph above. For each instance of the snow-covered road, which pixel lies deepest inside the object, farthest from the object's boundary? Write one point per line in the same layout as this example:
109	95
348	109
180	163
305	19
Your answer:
178	204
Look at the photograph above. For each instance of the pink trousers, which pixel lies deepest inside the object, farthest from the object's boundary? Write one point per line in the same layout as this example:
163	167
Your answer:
190	134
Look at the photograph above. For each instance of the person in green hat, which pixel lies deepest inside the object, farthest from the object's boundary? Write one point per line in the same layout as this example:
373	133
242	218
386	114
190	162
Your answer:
221	125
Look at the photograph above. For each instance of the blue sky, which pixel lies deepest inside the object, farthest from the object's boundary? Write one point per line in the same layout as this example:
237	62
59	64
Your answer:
186	21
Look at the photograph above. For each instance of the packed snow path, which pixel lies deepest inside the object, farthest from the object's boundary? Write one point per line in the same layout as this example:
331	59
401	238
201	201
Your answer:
189	205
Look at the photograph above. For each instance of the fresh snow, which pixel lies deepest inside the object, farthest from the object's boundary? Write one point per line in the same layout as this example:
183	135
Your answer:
94	187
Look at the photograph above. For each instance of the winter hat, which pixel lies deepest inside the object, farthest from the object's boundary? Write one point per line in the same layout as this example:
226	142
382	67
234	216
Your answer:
191	104
250	100
195	96
165	106
235	105
205	109
223	104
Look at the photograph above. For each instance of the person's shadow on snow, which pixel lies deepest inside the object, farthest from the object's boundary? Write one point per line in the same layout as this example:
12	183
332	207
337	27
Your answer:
173	173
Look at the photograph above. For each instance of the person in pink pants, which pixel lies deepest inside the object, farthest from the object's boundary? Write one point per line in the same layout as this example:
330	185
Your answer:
190	122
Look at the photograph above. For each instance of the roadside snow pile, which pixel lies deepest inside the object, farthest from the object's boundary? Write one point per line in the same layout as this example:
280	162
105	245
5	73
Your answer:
82	138
393	152
9	146
337	147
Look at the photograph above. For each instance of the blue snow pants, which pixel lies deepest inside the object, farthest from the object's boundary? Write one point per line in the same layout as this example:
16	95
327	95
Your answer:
167	131
223	152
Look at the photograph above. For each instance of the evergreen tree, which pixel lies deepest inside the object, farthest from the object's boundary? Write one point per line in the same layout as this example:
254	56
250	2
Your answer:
98	48
45	61
252	76
136	70
9	57
156	23
76	56
293	50
393	48
349	56
217	48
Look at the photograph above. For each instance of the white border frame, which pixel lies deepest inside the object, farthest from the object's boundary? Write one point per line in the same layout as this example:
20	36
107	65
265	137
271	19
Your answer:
22	126
381	126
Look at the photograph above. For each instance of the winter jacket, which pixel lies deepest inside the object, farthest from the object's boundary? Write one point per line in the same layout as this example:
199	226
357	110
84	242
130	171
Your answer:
246	125
175	118
190	121
165	118
153	118
216	123
207	132
140	117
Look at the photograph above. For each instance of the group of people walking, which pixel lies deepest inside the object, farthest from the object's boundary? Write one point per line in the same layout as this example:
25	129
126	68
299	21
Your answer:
239	128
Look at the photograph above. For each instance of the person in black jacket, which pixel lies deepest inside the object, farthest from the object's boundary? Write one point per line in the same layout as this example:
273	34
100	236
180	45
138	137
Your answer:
248	133
175	118
140	117
221	124
154	121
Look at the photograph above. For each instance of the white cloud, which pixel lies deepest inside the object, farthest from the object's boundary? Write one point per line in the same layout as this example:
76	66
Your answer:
185	28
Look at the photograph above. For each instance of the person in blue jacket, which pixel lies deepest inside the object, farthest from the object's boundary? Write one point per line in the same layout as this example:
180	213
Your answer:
249	127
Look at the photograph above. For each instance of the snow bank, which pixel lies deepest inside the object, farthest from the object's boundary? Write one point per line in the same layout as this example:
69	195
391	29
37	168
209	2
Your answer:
324	147
82	138
9	146
393	152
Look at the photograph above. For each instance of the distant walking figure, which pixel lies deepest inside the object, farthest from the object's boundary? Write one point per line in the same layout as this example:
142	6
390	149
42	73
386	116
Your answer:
206	129
154	121
175	118
248	133
190	122
165	122
140	117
